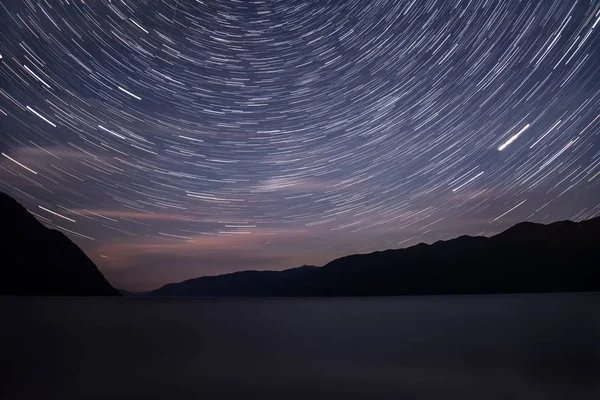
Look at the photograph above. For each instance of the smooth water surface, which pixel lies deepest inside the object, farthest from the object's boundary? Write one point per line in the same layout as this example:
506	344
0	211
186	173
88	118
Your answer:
440	347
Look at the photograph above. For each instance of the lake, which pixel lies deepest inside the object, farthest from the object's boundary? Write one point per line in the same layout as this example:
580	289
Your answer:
542	346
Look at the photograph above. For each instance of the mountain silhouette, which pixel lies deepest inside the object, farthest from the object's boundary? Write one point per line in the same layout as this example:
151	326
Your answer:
526	258
238	284
41	261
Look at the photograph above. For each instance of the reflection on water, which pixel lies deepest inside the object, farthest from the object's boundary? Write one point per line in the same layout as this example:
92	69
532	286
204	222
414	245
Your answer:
464	347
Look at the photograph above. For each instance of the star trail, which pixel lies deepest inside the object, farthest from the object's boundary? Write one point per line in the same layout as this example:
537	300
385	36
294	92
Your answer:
173	139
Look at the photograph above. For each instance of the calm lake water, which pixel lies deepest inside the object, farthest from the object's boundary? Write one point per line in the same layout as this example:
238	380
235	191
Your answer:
461	347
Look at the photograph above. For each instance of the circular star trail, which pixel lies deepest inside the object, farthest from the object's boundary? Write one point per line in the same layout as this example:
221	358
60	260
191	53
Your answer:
312	128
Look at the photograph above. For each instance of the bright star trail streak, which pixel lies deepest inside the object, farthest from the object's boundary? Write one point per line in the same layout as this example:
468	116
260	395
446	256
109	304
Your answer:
195	138
513	138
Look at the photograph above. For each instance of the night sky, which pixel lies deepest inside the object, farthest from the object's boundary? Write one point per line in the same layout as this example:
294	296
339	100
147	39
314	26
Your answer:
174	139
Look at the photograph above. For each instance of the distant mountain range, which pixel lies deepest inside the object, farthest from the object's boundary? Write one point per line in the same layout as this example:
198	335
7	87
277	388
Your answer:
238	284
529	257
41	261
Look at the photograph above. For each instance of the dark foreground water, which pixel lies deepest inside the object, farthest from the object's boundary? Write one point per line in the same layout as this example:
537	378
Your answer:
462	347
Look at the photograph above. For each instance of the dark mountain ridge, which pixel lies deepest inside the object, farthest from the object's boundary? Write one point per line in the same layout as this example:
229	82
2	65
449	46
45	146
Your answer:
528	257
237	284
41	261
